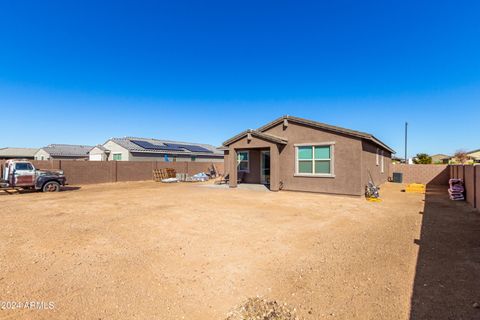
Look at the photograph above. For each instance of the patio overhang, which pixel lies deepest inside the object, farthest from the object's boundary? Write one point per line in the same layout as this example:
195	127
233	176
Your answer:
254	133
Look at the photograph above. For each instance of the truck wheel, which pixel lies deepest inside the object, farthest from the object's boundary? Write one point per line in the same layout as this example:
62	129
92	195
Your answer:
51	186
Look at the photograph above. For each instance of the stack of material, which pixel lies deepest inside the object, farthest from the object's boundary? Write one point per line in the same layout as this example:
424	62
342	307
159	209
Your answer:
456	189
198	177
162	174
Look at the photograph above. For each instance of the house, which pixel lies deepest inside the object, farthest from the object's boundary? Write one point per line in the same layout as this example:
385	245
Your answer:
474	155
146	149
17	153
441	158
63	152
297	154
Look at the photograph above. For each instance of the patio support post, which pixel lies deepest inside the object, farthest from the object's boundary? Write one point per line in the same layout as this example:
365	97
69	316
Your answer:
274	168
232	158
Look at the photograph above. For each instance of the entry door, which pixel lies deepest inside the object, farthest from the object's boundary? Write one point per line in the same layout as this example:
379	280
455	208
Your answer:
24	174
265	167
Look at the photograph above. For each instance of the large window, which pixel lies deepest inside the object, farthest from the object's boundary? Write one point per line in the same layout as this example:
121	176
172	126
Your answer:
314	160
243	161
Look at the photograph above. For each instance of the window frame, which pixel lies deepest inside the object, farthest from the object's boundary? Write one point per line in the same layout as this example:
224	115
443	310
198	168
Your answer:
330	144
248	161
117	154
382	162
29	165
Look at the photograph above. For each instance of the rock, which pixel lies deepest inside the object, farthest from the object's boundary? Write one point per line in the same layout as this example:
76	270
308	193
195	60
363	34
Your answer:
258	308
476	305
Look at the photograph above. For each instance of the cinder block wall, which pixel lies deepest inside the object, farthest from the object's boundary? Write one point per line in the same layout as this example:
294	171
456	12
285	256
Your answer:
470	174
89	172
432	174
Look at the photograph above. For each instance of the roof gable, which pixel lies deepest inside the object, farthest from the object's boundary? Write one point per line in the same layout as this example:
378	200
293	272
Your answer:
258	134
327	127
67	150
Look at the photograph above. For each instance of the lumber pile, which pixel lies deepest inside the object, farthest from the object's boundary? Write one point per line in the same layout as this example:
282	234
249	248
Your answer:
161	174
456	189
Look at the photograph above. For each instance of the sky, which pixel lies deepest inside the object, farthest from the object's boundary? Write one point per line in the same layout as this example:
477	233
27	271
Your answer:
81	72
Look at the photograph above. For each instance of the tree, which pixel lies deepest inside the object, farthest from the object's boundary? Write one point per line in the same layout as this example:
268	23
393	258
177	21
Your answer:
461	156
422	158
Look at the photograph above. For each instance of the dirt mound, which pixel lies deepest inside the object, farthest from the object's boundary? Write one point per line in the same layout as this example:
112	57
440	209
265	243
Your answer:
261	309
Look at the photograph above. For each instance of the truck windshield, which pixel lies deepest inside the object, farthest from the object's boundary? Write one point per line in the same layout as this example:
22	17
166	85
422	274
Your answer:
23	166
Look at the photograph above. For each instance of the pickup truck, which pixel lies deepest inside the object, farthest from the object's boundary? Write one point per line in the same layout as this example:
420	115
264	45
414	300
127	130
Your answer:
22	174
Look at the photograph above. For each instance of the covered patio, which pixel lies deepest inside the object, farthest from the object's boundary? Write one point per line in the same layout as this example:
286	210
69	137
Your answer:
256	157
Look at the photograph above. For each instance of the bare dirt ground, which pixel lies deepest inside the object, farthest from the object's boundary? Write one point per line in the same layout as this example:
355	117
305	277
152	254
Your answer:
144	250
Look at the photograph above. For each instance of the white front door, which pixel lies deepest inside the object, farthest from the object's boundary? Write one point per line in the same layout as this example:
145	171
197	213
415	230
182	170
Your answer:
265	167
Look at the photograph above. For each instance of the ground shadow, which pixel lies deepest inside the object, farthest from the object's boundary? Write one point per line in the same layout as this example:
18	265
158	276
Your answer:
447	278
6	192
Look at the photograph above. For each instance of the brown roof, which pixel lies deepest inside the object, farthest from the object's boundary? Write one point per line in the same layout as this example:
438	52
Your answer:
324	126
258	134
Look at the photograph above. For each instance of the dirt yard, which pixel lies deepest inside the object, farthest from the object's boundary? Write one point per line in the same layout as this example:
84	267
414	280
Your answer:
144	250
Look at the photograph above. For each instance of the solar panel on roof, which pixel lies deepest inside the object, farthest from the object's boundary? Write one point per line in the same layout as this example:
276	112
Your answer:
150	146
189	147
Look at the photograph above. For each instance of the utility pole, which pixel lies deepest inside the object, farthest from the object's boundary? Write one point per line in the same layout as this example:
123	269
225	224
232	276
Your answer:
406	139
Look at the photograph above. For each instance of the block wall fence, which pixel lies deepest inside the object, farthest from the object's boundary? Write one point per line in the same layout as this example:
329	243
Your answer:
88	172
429	174
470	174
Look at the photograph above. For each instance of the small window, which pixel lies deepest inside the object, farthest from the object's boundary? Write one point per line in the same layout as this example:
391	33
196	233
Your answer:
314	160
243	163
23	166
117	157
193	158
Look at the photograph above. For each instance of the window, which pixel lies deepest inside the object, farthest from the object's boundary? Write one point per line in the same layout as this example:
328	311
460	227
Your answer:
382	163
377	155
23	166
242	161
117	157
193	158
314	160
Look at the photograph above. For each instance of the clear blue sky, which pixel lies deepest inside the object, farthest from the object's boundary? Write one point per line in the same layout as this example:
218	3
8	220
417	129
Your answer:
81	72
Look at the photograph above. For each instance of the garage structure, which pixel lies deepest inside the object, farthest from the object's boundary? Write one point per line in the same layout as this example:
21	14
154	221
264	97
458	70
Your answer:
296	154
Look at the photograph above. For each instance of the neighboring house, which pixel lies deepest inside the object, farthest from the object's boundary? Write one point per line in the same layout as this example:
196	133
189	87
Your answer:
63	152
441	158
17	153
474	155
144	149
296	154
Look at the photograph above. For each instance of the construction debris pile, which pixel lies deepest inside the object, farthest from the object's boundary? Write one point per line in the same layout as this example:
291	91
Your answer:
257	308
169	175
456	189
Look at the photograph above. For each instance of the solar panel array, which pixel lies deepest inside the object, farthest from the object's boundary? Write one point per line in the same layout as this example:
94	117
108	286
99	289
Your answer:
189	147
170	146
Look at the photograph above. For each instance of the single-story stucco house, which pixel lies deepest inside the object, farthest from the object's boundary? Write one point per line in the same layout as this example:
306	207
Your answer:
17	153
297	154
63	152
146	149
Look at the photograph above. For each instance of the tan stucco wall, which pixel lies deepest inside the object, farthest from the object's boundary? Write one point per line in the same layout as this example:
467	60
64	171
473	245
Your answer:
42	153
96	151
156	157
115	149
